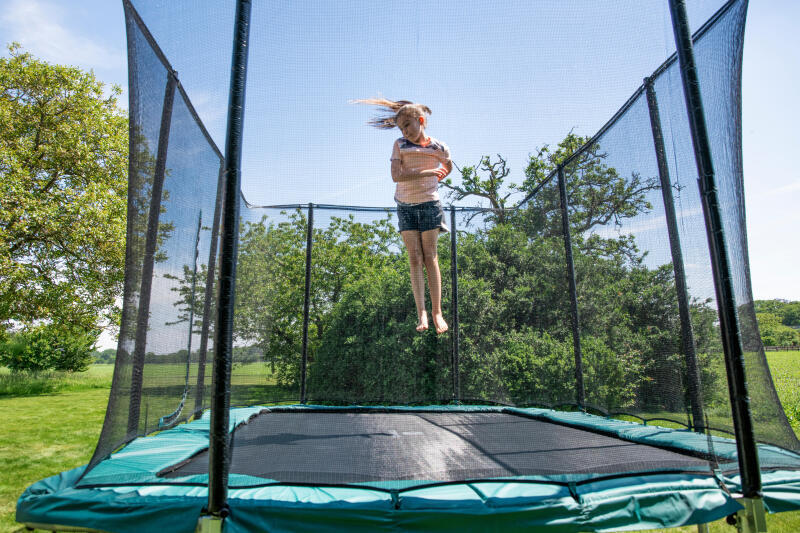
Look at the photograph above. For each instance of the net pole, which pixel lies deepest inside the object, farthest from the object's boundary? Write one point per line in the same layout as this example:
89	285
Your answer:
209	295
219	437
580	394
723	283
454	291
151	243
687	334
307	301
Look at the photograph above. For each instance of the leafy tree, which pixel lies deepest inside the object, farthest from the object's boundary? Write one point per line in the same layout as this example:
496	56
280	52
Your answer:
791	315
371	352
774	333
63	167
107	356
191	288
48	347
271	280
788	312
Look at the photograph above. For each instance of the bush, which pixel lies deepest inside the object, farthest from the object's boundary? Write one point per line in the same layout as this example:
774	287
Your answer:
371	351
774	333
525	367
106	357
48	347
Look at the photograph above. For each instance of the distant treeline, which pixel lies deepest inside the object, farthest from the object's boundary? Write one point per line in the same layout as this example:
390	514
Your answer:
778	322
241	354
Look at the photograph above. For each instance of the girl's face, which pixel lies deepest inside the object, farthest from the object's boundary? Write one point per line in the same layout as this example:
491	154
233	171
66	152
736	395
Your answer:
412	128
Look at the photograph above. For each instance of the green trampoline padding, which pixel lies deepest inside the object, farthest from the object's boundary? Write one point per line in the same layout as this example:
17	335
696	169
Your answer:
647	501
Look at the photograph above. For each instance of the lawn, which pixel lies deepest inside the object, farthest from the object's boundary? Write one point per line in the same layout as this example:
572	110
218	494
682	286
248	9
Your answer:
785	370
42	436
46	433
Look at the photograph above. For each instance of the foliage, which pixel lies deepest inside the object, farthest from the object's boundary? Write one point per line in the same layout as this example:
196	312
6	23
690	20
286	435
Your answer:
774	332
271	280
788	311
107	356
371	351
597	194
63	167
490	188
48	347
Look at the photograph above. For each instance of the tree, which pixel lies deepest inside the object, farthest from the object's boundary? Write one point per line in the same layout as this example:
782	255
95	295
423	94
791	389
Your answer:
63	169
774	333
270	281
490	189
107	356
48	347
788	312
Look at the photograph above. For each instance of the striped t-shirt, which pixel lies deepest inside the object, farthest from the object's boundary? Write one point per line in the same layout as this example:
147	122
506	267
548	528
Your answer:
417	158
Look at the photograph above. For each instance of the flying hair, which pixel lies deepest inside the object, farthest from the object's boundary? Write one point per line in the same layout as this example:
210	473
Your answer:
394	109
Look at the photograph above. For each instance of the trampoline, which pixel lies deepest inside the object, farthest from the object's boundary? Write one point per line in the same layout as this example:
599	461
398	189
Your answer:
269	376
450	468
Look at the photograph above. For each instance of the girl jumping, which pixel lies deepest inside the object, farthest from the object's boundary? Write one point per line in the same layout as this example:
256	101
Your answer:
419	163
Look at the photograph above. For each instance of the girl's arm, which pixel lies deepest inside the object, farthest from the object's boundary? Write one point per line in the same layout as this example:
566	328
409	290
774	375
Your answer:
399	174
397	171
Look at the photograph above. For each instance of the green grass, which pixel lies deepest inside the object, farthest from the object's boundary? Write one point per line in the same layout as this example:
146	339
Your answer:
776	523
42	436
785	370
46	432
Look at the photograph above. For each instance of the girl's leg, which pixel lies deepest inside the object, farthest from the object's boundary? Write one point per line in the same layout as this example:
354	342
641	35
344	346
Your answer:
431	259
413	242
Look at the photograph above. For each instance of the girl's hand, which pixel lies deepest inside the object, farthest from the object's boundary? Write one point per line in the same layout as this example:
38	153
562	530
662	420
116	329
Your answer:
440	173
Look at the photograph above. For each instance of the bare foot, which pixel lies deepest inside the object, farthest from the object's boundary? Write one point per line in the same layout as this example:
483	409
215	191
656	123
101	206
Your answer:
438	321
422	324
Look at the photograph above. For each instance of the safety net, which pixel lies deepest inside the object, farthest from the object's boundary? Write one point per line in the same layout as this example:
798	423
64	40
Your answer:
574	266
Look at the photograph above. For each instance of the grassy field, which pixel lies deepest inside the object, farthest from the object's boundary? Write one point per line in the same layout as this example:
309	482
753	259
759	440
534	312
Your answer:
785	370
50	423
42	436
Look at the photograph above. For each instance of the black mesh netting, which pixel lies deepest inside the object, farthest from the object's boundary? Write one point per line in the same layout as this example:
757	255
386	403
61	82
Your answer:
536	200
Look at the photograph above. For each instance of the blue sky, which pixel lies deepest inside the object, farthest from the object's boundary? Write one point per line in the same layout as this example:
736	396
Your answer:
91	35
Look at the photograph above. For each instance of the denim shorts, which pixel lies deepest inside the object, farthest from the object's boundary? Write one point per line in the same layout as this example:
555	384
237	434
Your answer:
421	217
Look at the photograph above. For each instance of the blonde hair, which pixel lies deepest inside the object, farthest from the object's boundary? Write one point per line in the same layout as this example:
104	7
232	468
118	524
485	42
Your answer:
395	111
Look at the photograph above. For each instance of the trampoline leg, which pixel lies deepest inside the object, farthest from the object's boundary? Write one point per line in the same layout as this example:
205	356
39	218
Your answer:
753	518
209	524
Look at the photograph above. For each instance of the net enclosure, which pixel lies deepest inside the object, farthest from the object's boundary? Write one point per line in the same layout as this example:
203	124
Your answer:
602	367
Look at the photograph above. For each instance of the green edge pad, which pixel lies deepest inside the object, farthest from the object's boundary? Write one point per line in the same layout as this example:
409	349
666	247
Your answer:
647	501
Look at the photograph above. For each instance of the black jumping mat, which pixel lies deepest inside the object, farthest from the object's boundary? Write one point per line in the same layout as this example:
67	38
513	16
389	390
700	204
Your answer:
354	447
